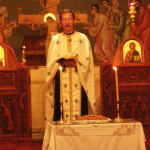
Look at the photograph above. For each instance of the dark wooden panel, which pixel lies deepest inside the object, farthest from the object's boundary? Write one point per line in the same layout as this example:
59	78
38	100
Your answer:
15	107
134	92
35	50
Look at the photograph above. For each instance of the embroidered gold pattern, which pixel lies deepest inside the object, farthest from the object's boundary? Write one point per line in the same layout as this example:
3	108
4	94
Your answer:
69	43
126	129
66	131
73	110
80	100
70	87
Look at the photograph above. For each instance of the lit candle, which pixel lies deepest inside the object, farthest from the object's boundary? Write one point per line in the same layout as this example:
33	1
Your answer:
24	47
116	79
60	68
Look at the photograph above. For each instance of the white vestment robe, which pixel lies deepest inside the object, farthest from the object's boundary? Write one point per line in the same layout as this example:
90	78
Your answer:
75	46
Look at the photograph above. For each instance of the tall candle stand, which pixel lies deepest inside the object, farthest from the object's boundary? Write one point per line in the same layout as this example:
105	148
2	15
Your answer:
118	119
61	121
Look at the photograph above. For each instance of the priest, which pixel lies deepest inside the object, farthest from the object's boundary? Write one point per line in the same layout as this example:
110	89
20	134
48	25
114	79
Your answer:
71	50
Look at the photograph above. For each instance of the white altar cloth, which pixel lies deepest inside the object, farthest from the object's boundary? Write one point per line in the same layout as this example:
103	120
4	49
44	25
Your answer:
128	135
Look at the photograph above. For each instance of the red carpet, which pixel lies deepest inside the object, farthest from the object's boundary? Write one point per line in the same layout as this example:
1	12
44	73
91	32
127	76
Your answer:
147	145
34	146
38	146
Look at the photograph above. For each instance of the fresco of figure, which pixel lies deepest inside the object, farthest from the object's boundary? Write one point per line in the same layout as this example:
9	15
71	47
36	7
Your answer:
1	34
148	6
11	56
99	28
49	6
108	9
141	28
7	28
120	25
52	26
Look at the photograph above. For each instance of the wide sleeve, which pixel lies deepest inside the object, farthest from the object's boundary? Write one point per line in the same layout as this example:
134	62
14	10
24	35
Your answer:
97	26
86	74
50	49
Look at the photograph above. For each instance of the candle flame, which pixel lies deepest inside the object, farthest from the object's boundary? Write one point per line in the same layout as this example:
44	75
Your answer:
131	4
115	68
23	47
60	68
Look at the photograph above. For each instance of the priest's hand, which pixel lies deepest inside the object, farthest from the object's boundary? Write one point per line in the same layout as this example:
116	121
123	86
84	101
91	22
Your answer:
70	63
67	62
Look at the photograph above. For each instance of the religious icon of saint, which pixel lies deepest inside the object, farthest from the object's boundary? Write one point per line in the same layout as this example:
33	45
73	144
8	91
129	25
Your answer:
132	56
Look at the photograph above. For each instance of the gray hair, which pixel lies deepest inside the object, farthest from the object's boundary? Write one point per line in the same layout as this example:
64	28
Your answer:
67	11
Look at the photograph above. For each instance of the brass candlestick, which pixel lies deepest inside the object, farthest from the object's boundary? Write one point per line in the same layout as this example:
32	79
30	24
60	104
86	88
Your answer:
118	119
23	56
61	121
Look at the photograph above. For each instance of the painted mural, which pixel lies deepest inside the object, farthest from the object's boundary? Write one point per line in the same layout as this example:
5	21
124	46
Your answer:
106	23
6	26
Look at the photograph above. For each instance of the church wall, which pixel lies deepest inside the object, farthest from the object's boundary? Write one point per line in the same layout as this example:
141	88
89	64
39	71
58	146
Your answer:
34	7
16	39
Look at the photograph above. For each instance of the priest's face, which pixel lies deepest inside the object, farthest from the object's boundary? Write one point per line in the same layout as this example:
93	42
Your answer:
67	22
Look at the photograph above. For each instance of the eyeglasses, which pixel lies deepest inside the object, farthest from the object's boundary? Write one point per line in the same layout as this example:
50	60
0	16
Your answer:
67	19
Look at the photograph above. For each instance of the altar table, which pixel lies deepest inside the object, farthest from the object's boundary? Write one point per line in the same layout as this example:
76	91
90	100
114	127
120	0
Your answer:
126	135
